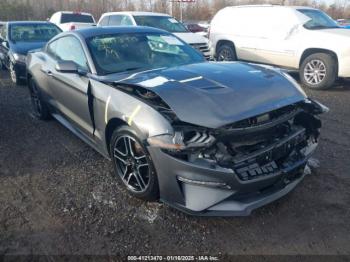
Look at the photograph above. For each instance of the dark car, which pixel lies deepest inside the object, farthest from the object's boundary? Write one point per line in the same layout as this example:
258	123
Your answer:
196	28
17	38
207	138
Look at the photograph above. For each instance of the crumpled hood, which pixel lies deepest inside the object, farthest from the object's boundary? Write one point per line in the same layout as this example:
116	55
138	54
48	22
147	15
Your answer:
216	94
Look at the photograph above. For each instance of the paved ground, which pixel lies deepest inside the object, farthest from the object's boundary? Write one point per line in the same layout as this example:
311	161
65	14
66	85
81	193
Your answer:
57	196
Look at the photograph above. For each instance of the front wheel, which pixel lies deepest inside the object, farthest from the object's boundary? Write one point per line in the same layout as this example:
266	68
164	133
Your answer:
226	52
39	107
133	164
318	71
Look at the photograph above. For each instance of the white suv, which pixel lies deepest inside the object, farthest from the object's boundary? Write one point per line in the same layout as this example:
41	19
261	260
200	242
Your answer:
158	20
68	21
297	38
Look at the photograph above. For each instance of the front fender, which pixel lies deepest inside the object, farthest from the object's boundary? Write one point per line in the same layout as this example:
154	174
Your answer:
112	103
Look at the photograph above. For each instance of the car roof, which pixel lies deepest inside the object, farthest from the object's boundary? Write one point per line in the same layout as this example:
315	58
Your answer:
100	30
268	5
27	22
135	13
72	12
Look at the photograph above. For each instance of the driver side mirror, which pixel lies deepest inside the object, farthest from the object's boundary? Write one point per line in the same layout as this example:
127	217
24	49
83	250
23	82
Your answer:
68	67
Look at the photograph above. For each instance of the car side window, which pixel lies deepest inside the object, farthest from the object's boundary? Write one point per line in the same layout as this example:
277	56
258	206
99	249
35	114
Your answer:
69	49
104	21
126	20
51	48
118	20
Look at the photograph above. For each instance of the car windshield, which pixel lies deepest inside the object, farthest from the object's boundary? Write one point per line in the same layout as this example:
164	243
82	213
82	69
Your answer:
115	53
33	32
319	20
77	18
166	23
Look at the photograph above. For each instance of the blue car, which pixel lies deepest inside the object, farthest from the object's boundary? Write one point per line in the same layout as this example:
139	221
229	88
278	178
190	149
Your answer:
16	39
344	23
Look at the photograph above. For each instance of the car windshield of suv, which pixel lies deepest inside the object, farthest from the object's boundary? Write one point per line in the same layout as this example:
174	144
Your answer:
115	53
33	32
166	23
77	18
319	20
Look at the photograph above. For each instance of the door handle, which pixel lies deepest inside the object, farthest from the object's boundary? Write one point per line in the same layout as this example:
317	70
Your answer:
46	72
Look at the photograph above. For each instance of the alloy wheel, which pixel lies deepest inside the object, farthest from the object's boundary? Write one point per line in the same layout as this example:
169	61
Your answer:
315	72
225	55
132	164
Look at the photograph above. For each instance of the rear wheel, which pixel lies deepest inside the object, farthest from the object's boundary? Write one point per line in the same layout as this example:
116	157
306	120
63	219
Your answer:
318	71
133	164
39	107
226	52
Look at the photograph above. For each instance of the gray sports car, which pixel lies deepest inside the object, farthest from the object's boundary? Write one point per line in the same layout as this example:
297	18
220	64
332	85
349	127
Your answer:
207	138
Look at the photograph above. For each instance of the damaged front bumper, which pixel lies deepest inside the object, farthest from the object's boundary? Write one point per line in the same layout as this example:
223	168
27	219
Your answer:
201	189
246	167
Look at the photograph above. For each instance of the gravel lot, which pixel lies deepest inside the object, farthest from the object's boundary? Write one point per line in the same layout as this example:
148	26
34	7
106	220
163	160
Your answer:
57	196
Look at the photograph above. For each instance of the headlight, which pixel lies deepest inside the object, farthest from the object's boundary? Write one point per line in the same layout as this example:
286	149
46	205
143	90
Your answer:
315	107
183	140
20	58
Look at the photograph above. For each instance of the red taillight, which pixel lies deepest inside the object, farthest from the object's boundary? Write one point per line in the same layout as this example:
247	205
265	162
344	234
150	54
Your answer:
72	27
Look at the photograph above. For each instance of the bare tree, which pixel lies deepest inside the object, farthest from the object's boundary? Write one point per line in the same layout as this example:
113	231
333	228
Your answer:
200	10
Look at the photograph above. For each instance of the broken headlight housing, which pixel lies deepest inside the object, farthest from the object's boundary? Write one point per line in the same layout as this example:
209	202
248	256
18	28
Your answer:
183	139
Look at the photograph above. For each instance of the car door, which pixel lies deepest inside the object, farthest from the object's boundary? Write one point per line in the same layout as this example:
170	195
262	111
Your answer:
244	25
279	42
70	90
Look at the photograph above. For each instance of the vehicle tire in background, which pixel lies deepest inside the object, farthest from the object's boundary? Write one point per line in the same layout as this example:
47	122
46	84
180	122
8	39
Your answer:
318	71
133	164
39	107
226	52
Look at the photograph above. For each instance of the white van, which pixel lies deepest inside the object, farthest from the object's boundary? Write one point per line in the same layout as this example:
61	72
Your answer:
297	38
158	20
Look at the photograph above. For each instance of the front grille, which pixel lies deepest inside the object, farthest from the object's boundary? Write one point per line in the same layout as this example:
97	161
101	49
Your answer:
264	118
203	47
266	161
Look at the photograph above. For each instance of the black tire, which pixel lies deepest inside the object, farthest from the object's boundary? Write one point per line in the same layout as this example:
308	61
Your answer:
2	66
149	176
39	107
226	52
323	76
